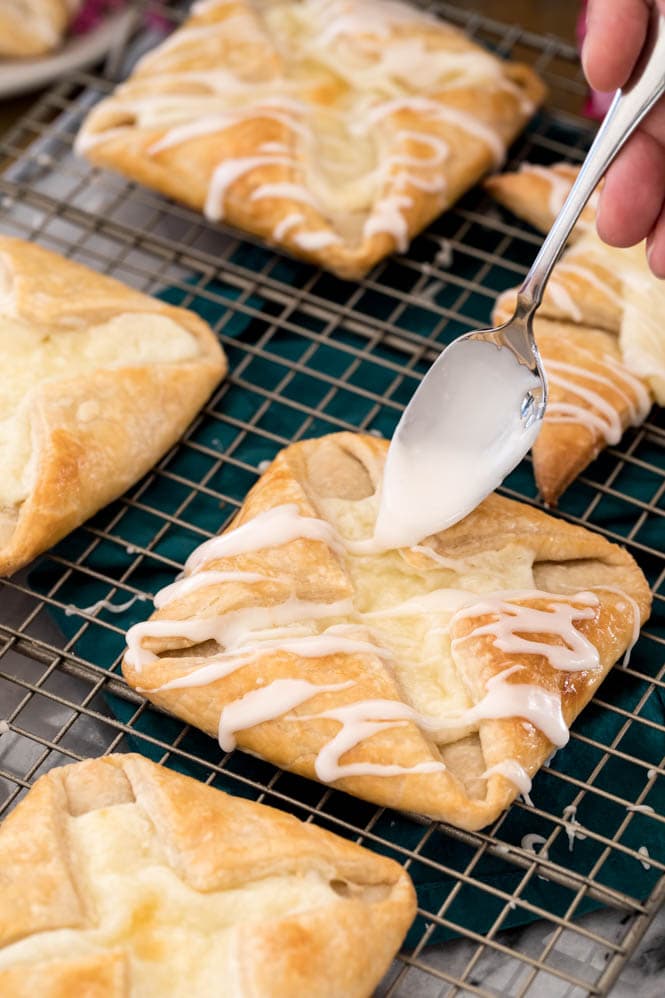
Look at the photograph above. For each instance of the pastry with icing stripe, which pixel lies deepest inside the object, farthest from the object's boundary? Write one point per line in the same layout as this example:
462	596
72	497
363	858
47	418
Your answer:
336	129
97	382
599	331
435	679
34	27
123	879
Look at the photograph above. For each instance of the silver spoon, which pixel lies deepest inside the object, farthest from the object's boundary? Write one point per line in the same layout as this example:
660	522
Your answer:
480	406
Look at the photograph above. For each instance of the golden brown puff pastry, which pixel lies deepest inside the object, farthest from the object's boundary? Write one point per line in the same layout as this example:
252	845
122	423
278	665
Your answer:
434	679
34	27
123	879
336	129
97	382
599	330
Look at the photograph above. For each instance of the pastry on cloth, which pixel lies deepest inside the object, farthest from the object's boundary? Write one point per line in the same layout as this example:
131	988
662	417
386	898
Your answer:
97	382
34	27
599	329
434	679
123	879
336	129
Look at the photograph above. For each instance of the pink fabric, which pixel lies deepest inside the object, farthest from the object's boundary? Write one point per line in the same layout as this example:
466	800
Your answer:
92	13
597	103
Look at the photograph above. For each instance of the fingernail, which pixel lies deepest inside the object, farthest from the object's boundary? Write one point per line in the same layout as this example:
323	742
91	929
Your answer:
588	18
654	267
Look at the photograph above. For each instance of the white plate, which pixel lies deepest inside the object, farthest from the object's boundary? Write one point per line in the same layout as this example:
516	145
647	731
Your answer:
20	76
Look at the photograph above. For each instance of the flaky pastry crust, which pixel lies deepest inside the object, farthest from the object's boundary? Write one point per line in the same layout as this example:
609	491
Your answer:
502	545
75	921
91	430
598	330
336	129
34	27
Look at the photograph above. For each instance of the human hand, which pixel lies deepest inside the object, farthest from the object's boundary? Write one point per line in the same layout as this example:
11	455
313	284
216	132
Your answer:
632	202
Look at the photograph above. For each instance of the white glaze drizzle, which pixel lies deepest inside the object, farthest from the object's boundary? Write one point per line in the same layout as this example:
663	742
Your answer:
513	620
558	293
602	417
567	266
643	851
316	240
270	529
231	170
288	191
265	704
332	641
104	604
636	618
286	224
504	700
444	255
512	770
238	22
530	841
440	150
360	721
363	17
200	580
232	630
387	217
452	116
207	125
572	826
559	185
640	808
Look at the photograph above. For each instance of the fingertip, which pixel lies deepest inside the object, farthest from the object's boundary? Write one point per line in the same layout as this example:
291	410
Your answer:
633	193
656	249
614	38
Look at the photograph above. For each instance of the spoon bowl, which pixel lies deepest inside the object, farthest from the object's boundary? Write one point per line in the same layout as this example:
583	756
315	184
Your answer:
481	405
473	417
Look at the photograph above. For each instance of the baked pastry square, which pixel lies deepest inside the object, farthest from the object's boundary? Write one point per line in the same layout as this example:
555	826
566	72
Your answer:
435	679
336	129
34	27
121	878
599	330
97	382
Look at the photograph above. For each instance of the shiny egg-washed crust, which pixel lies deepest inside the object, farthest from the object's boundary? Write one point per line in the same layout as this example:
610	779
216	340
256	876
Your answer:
567	559
141	410
214	843
34	28
527	195
184	171
563	450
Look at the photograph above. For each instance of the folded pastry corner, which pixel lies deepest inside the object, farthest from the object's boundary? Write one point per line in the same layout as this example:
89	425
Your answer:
121	876
34	27
598	329
336	129
97	382
435	679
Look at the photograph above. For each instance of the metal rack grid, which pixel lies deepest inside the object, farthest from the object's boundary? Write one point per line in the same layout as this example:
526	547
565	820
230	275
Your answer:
311	354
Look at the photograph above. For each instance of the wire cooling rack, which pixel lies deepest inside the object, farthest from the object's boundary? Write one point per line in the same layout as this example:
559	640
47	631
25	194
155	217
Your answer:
311	354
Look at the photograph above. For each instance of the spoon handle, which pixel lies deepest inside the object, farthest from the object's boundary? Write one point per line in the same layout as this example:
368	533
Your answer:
627	110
